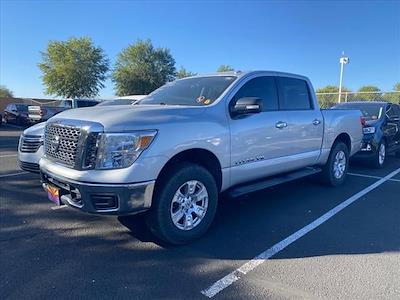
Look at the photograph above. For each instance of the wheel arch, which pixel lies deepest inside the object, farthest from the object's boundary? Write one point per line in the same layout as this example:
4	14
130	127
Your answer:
200	156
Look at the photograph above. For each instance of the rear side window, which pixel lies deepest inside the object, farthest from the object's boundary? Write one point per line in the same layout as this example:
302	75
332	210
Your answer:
294	94
85	103
393	111
263	88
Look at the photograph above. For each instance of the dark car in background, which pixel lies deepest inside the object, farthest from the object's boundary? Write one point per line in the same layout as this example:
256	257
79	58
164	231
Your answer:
381	130
16	113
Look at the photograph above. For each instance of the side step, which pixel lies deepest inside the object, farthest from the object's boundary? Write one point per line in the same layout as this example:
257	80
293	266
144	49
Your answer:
272	181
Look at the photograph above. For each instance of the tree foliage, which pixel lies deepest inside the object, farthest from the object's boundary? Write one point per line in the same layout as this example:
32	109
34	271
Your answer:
5	92
395	96
182	73
330	95
141	68
74	68
369	93
225	68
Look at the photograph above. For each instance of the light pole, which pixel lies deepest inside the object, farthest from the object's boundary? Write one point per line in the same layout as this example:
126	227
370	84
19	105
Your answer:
343	61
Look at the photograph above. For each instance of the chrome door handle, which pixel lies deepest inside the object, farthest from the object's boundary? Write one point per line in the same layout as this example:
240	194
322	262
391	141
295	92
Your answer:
316	122
281	125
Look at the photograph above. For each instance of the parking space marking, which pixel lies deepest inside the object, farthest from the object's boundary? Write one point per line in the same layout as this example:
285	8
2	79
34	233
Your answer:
58	207
13	174
370	176
237	274
8	155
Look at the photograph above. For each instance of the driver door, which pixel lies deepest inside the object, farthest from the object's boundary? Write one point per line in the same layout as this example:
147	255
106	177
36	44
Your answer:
258	143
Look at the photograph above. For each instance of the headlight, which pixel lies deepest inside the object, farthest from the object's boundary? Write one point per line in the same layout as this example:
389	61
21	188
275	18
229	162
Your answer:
367	130
120	150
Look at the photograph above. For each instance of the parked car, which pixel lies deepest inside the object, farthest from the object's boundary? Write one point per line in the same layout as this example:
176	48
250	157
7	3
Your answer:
42	113
16	114
31	150
177	149
381	132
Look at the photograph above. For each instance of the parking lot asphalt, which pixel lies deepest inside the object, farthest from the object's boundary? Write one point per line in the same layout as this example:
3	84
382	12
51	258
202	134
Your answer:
52	253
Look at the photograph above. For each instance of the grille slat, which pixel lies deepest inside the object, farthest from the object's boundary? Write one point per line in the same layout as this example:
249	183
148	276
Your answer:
61	143
30	144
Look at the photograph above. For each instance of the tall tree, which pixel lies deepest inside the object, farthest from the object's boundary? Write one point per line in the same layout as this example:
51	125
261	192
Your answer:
141	68
5	92
369	93
182	73
74	68
225	68
328	95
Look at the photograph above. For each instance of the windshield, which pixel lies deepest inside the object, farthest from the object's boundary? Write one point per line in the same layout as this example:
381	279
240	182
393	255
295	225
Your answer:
21	107
370	111
116	102
196	91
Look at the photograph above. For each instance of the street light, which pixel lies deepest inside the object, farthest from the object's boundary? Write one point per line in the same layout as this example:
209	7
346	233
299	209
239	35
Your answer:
343	61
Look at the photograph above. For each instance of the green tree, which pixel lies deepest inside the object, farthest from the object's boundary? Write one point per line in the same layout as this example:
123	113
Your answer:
225	68
5	92
393	97
182	73
141	68
369	93
328	95
74	68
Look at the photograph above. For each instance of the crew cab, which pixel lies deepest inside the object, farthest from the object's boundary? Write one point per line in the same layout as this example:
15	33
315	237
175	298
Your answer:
381	131
174	152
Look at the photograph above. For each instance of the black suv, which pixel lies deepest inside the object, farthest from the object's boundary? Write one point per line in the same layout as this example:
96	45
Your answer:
381	130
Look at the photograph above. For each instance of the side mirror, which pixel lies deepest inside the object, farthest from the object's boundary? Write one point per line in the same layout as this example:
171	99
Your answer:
247	105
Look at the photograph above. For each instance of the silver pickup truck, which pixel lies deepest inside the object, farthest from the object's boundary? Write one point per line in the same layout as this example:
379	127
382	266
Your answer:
173	153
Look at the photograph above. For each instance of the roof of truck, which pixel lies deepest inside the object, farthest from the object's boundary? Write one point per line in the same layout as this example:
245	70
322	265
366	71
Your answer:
246	73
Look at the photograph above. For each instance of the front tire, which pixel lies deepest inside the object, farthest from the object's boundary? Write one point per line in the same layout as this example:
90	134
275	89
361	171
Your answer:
184	204
379	158
335	170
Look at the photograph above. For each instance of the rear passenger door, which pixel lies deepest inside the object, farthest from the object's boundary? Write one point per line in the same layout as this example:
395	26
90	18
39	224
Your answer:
305	122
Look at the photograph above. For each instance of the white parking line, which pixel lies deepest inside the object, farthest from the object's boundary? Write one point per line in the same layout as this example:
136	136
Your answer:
370	176
234	276
13	174
8	155
58	207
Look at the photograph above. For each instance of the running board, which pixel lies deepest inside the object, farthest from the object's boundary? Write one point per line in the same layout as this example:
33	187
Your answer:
272	181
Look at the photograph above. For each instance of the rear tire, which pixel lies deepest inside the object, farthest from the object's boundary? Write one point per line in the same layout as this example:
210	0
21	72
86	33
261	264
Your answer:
379	158
335	170
184	204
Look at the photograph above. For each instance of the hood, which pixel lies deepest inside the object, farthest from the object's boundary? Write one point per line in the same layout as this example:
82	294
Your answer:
131	117
37	129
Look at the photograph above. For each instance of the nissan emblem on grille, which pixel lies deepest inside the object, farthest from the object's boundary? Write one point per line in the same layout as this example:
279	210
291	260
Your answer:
55	143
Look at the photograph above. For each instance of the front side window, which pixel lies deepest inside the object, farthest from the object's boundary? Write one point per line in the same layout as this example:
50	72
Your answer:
197	91
294	94
261	87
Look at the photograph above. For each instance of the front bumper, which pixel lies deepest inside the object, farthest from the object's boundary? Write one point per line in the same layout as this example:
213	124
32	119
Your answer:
102	198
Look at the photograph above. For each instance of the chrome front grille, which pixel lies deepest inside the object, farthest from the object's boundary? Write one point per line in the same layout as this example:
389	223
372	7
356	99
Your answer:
61	143
30	143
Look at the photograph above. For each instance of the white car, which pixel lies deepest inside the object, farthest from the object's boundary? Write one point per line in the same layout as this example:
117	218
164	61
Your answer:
30	149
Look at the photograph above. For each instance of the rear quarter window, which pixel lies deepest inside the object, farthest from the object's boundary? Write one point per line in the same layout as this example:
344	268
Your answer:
294	94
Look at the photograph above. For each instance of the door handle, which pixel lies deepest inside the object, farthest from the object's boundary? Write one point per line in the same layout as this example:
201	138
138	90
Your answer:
316	122
281	125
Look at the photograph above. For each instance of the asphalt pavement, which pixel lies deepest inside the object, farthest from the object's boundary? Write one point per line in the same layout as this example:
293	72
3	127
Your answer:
49	252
